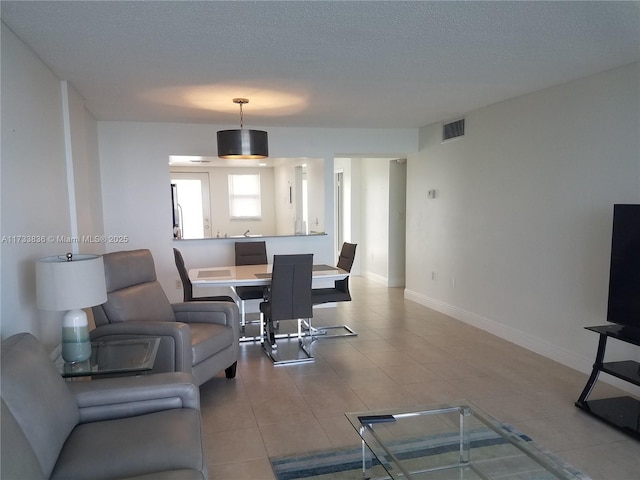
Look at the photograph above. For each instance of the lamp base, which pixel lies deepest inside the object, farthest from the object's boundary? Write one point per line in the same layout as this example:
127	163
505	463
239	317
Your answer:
76	346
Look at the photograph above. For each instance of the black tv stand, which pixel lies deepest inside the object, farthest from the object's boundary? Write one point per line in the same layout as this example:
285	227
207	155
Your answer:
621	412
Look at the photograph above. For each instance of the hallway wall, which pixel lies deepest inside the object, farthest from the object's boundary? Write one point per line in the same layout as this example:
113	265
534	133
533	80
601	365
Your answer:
517	240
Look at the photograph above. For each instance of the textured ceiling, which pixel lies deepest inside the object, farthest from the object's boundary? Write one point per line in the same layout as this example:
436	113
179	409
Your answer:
317	63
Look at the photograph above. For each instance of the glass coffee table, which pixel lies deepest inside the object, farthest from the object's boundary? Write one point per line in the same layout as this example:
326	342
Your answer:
456	441
114	358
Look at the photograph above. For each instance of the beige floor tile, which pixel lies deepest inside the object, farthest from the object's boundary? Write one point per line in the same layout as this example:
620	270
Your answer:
285	409
223	390
458	370
234	446
412	373
435	392
373	346
578	430
391	358
429	354
294	438
381	397
479	387
350	364
227	415
259	469
407	341
340	431
316	380
611	461
513	407
327	348
334	401
279	389
366	377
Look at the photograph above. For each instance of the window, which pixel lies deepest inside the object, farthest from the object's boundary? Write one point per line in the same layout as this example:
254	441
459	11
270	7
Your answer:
244	197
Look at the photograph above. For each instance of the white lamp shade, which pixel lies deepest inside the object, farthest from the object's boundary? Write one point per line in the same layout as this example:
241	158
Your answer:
67	285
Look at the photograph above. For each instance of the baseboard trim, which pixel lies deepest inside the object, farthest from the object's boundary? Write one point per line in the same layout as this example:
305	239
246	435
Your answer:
525	340
376	278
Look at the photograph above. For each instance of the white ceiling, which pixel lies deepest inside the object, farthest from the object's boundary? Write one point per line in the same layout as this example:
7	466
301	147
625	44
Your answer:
317	63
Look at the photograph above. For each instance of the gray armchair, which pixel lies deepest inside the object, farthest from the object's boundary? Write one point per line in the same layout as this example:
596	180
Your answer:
116	428
201	338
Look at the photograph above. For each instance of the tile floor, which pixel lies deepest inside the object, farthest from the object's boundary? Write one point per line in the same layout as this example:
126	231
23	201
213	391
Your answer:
404	355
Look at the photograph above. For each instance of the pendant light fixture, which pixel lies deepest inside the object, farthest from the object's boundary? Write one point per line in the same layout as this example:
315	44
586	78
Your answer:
245	144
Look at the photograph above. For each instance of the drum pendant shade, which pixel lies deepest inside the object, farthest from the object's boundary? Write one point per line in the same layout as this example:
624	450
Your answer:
242	143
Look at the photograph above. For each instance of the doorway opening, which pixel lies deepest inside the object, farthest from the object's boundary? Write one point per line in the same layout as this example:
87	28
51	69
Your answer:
192	217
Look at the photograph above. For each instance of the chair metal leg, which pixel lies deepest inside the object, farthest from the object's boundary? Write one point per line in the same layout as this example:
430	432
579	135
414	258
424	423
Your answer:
276	354
244	323
323	333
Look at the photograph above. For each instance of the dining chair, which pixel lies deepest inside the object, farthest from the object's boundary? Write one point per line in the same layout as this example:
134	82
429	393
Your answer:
338	293
187	286
287	298
249	253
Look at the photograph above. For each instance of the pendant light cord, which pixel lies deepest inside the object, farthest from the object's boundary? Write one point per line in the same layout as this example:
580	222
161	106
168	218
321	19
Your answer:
241	101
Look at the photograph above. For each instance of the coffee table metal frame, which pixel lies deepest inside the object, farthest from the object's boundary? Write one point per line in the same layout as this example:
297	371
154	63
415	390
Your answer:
365	424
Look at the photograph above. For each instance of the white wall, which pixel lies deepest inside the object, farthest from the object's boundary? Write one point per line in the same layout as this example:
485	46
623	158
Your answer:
82	148
522	218
351	199
382	192
316	196
374	252
284	206
136	200
397	223
35	194
285	203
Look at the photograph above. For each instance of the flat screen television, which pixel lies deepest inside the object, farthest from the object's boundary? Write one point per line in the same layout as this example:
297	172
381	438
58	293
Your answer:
624	274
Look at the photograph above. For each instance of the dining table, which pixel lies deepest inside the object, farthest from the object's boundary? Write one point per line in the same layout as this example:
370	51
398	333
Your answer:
257	275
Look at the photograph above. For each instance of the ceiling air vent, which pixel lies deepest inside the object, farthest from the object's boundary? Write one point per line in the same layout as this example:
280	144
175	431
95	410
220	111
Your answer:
453	130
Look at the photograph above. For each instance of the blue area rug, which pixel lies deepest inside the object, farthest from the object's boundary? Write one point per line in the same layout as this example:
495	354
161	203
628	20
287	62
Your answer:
346	464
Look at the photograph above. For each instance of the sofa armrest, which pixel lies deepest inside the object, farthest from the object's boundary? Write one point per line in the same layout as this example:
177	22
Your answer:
222	313
174	353
111	398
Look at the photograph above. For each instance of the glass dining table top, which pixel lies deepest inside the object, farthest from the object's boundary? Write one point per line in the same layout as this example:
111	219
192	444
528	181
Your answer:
247	275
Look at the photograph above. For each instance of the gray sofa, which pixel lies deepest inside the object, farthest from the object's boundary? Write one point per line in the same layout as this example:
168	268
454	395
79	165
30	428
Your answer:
146	427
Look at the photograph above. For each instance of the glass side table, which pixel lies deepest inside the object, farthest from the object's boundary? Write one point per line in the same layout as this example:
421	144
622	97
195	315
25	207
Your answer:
118	357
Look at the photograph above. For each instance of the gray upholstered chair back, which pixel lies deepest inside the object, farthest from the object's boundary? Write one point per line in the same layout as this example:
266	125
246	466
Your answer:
251	253
133	291
347	256
187	288
290	295
345	262
35	399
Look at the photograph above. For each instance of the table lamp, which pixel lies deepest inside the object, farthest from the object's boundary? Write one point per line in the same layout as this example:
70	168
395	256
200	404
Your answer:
71	282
